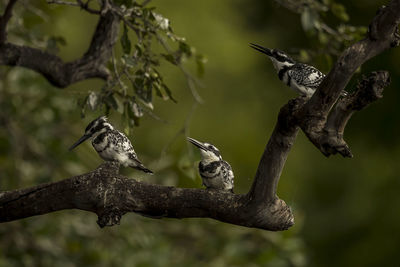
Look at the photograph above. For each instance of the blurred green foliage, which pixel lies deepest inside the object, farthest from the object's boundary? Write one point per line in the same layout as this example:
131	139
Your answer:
345	210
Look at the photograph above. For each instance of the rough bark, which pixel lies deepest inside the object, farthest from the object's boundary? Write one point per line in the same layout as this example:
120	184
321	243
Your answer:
111	195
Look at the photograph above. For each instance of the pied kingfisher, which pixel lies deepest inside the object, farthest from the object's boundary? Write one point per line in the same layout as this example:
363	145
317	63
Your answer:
215	172
110	144
302	78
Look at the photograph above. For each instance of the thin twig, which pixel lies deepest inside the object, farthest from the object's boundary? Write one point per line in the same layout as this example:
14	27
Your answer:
78	3
4	20
121	15
114	62
149	112
191	81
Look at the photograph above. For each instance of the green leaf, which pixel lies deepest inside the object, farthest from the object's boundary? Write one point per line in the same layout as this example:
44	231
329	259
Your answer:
111	102
127	130
308	19
185	48
304	56
169	93
157	87
139	49
148	98
340	12
170	58
129	61
125	42
323	38
143	88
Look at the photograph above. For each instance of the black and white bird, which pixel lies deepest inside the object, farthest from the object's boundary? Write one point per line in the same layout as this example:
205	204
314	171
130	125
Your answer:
215	172
302	78
111	144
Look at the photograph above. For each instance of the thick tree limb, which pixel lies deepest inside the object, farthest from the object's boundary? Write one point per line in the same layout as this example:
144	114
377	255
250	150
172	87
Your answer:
111	195
383	34
62	74
275	154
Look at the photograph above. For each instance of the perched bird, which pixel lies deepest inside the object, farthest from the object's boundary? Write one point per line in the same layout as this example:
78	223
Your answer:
215	172
111	144
302	78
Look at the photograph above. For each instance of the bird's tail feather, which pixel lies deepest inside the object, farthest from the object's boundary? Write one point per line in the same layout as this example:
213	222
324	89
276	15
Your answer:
143	168
136	164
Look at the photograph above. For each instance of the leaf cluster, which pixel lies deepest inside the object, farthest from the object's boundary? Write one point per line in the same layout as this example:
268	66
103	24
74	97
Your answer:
146	41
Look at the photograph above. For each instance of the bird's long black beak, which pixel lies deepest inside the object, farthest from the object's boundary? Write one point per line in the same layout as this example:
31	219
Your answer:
197	143
261	49
80	141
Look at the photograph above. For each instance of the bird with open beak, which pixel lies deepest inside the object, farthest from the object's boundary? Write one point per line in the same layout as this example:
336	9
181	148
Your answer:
215	172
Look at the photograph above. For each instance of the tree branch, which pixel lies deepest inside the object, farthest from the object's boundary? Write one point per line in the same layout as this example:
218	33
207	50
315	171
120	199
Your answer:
383	34
111	195
78	3
330	140
4	20
369	89
275	154
59	73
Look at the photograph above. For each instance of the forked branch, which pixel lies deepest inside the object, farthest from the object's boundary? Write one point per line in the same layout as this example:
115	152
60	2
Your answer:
329	140
382	35
53	68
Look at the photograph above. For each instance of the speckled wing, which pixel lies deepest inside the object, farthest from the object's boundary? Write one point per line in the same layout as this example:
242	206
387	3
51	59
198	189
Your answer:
227	175
123	146
306	75
121	143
